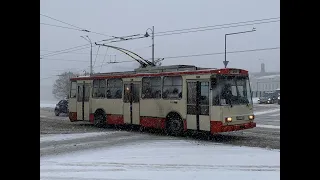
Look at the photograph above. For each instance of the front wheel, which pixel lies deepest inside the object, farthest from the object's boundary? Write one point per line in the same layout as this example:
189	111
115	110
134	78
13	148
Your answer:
99	120
174	125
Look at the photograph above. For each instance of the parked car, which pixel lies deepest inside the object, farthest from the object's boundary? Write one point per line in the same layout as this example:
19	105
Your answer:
268	98
61	107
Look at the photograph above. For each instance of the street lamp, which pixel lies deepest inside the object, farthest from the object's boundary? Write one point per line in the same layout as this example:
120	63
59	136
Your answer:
89	40
225	62
147	35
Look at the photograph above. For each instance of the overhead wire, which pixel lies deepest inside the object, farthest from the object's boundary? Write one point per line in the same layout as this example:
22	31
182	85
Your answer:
186	56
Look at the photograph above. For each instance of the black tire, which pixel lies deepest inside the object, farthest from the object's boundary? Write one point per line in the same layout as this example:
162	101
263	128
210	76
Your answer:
99	119
56	112
174	125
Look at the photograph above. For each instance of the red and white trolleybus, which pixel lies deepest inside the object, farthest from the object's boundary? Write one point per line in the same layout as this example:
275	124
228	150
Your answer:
175	98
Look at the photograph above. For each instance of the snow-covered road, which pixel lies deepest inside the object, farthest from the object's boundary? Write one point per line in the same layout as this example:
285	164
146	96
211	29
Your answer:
161	159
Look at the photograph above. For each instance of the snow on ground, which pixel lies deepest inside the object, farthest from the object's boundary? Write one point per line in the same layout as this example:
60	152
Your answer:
62	137
255	100
48	104
266	111
165	159
268	126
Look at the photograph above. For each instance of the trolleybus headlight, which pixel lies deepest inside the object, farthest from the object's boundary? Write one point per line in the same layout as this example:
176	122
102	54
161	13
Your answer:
251	117
229	119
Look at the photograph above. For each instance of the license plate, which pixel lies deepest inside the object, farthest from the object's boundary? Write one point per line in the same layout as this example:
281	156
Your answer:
239	117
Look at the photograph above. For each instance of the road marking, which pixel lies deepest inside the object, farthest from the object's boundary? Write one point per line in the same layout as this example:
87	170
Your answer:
43	116
268	126
266	112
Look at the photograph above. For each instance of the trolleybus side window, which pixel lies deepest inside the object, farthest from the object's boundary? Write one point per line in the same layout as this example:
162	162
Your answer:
99	88
172	87
114	89
151	88
204	98
73	89
80	93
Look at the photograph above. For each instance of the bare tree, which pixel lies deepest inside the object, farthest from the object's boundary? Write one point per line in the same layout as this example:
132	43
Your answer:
61	87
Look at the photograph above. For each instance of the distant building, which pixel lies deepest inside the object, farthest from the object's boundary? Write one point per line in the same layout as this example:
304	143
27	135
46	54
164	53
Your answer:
264	82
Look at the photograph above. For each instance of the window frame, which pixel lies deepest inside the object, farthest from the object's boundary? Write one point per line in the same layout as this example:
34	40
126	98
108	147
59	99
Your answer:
70	93
142	86
121	86
163	86
99	87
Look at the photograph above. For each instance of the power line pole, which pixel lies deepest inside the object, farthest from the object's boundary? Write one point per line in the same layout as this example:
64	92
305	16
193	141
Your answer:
152	35
153	44
89	40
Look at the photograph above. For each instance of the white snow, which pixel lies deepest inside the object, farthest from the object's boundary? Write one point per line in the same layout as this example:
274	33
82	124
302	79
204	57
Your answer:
48	104
268	126
165	159
277	114
255	100
62	137
266	112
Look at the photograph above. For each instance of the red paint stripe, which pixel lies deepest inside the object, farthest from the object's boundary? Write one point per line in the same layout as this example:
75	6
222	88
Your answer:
91	118
153	122
115	119
185	128
73	116
218	71
216	127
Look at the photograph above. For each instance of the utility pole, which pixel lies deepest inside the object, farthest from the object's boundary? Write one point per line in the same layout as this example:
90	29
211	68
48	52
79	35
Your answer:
152	44
152	35
89	40
225	62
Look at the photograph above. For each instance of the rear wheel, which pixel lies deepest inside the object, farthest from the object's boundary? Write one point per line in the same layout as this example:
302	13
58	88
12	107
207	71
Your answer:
174	125
99	119
56	112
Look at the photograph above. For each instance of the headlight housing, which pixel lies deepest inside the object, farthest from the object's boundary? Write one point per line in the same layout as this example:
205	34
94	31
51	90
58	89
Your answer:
228	119
251	117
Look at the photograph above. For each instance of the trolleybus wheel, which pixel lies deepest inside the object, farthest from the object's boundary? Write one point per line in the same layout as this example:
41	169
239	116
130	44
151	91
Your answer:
56	112
174	125
99	119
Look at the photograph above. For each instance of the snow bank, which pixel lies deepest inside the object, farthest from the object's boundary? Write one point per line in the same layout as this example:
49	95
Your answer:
165	159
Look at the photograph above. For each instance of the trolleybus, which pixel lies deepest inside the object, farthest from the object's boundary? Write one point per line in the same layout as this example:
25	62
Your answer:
175	98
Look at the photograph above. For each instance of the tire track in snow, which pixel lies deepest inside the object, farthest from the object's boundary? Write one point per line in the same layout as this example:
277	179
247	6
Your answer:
104	166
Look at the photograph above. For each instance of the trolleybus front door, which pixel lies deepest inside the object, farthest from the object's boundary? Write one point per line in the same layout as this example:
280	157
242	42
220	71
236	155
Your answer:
83	93
198	105
131	104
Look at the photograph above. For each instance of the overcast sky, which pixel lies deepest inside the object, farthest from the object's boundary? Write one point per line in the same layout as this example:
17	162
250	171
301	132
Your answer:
128	17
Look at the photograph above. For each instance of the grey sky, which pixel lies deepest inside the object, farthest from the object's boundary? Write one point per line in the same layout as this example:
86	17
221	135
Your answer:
127	17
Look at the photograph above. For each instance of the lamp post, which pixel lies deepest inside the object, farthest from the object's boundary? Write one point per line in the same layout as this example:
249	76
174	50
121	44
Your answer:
147	35
89	40
225	62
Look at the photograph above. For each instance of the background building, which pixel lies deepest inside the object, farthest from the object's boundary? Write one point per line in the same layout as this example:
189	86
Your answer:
263	81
